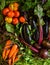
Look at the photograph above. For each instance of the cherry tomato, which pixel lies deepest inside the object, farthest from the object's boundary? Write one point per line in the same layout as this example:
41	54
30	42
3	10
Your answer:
5	11
11	6
10	14
22	19
15	5
8	19
17	13
15	8
15	21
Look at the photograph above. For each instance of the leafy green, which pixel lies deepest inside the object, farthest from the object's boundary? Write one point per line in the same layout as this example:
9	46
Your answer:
48	13
32	42
29	58
10	1
47	5
42	21
47	8
29	4
18	28
38	11
29	27
1	17
9	27
2	4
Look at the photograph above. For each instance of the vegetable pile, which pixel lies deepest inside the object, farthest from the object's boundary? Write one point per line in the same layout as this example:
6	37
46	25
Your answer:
12	14
25	32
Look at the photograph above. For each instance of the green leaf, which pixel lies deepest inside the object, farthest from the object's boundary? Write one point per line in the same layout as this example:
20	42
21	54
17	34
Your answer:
28	4
38	11
48	13
42	22
2	4
1	17
17	26
45	63
17	29
32	41
9	27
29	27
47	5
10	1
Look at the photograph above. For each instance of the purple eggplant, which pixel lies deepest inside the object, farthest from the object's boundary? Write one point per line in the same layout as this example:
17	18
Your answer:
49	36
33	24
46	27
35	35
25	33
49	31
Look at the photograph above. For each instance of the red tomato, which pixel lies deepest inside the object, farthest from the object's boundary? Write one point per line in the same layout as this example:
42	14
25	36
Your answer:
15	21
10	14
22	19
17	13
5	11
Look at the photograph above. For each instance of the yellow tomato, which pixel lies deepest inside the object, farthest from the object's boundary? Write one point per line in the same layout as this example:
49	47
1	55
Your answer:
8	19
11	7
15	5
15	8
